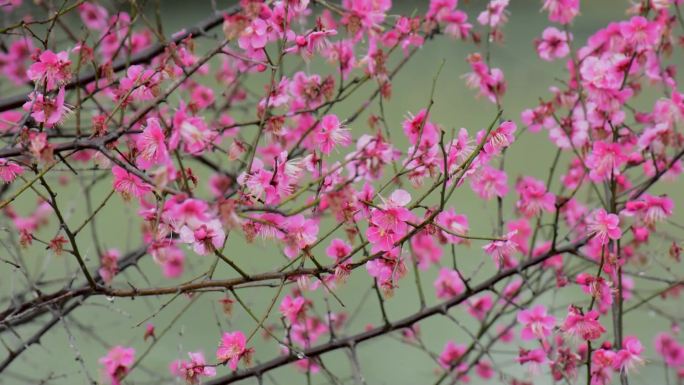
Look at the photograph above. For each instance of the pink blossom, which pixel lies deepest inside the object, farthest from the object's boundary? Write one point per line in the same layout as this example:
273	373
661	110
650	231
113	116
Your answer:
293	308
562	11
299	233
386	271
553	44
233	349
110	265
9	170
117	363
370	13
139	84
448	284
416	128
670	349
533	358
480	306
521	232
640	32
128	184
426	249
171	259
151	145
451	354
605	161
602	367
457	25
94	16
192	371
204	236
202	97
597	287
650	209
583	326
331	133
45	109
440	8
40	147
500	138
484	370
51	68
605	226
455	224
388	223
255	35
495	14
537	323
627	358
502	251
533	197
490	182
338	249
489	81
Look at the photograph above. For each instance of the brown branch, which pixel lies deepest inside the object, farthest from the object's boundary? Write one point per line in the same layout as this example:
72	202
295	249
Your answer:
403	323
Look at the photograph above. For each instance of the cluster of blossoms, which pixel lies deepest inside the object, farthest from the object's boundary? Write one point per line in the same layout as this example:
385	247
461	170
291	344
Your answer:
278	165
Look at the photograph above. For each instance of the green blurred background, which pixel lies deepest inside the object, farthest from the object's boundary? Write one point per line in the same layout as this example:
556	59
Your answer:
386	360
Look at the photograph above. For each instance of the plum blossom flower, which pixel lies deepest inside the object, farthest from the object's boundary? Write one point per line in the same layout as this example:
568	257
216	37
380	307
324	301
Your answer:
500	138
480	306
670	349
533	197
448	284
489	182
388	223
338	249
605	160
233	349
193	370
151	145
204	236
640	32
128	184
490	81
501	251
457	25
9	170
417	127
538	324
331	133
255	35
553	44
46	109
117	363
51	68
602	367
562	11
293	308
456	224
605	226
495	14
584	326
650	208
451	354
533	358
597	287
300	232
139	84
94	16
110	265
629	357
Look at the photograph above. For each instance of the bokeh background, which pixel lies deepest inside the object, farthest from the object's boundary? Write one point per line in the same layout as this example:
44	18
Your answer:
102	322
